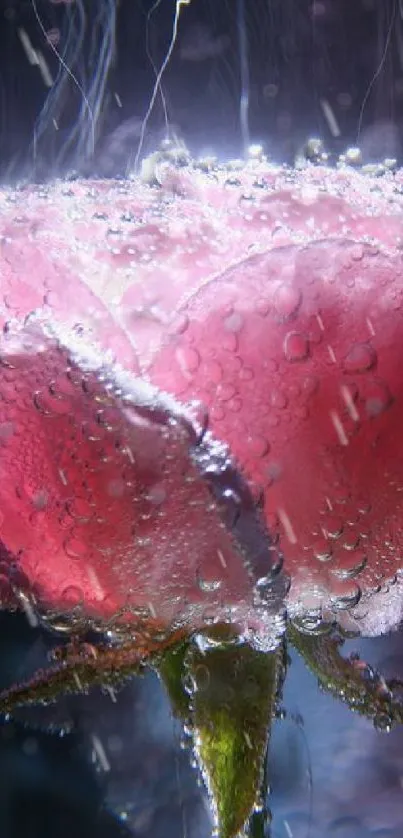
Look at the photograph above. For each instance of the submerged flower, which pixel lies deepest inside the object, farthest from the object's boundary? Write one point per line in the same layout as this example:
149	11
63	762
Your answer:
200	378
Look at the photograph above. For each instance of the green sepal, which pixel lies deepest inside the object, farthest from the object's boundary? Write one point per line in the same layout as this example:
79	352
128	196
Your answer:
351	680
226	695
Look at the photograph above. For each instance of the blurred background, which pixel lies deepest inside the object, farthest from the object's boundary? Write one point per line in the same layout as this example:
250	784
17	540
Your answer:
76	81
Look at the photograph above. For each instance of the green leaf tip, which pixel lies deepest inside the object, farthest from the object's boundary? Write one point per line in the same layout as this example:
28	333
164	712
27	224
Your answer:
226	693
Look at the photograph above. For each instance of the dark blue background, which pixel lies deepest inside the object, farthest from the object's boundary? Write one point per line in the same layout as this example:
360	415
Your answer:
331	773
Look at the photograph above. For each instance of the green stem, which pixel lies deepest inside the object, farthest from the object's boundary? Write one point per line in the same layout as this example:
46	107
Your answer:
80	670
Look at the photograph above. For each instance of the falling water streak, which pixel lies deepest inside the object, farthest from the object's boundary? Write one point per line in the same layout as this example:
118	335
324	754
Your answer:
70	74
178	7
104	55
379	69
244	68
154	66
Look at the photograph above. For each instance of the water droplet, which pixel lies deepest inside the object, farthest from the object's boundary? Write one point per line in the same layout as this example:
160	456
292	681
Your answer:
278	399
377	397
257	446
157	494
287	301
351	539
72	595
212	371
188	360
200	419
263	306
361	358
322	549
75	547
208	584
348	563
296	347
226	392
332	526
383	722
229	341
344	594
308	386
7	430
201	678
234	322
80	508
179	325
246	374
116	488
312	623
217	413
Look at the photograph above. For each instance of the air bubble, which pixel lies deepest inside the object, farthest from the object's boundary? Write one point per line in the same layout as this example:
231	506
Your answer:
332	526
257	446
383	722
246	374
72	595
116	488
308	386
201	678
351	539
200	419
296	347
157	494
312	623
226	392
234	322
349	563
75	547
179	325
361	358
278	399
322	550
345	595
212	371
263	306
80	508
188	360
7	430
287	301
208	586
229	341
377	398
